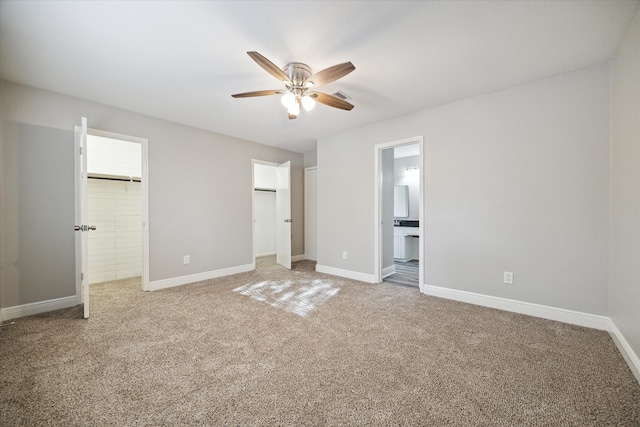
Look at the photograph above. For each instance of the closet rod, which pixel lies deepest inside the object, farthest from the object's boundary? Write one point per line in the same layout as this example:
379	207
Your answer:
109	178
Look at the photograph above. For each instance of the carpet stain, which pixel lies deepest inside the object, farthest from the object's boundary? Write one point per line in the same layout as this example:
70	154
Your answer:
299	297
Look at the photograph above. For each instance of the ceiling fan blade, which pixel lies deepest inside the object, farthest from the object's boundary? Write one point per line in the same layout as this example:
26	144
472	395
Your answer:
331	100
269	66
258	93
330	74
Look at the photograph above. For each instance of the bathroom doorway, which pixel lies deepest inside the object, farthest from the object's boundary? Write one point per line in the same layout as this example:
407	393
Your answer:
399	212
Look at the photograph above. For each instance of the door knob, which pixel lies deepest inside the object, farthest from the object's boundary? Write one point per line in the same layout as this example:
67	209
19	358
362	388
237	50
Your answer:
84	227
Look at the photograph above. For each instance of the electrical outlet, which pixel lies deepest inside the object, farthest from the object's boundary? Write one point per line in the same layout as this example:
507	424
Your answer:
186	259
344	255
508	277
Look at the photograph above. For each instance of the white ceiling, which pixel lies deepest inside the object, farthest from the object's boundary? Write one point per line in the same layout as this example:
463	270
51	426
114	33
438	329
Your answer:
181	61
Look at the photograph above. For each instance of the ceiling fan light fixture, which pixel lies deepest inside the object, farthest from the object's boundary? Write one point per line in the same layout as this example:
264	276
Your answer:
298	80
294	109
288	100
308	103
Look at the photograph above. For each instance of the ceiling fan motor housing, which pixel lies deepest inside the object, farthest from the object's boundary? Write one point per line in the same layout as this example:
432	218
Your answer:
298	73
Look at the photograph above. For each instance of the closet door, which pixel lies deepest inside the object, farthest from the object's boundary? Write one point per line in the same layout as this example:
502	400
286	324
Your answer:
283	214
311	213
81	227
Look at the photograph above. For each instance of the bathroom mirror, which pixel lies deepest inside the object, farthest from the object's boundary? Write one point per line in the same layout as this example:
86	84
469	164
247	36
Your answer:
401	201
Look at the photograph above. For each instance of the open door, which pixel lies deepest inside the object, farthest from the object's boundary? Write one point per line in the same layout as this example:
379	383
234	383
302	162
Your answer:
283	214
82	240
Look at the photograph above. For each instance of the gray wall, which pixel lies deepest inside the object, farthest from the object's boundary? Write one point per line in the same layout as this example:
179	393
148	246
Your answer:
199	182
38	240
624	279
310	159
517	180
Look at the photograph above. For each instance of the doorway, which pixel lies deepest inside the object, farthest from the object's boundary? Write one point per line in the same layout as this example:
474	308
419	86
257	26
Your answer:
264	208
399	236
114	196
271	187
117	200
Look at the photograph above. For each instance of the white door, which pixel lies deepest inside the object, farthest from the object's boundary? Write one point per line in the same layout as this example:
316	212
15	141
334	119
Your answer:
82	229
283	214
310	213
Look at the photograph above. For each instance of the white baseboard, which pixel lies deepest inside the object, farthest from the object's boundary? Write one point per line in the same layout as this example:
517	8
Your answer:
543	311
363	277
30	309
388	271
199	277
625	349
265	254
294	258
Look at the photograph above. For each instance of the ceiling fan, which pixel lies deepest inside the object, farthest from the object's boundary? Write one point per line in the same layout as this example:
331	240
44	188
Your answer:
299	84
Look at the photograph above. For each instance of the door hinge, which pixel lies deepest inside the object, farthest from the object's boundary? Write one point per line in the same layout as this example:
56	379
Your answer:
80	150
81	276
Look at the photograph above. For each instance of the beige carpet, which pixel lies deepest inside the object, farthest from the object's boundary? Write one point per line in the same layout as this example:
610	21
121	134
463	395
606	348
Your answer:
357	354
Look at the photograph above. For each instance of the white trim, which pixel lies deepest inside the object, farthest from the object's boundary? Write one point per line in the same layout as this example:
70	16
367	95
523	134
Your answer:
294	258
543	311
114	135
199	277
32	308
265	254
386	272
625	349
362	277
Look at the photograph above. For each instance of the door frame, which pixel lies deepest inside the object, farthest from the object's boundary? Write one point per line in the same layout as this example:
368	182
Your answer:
377	262
144	146
253	206
308	170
